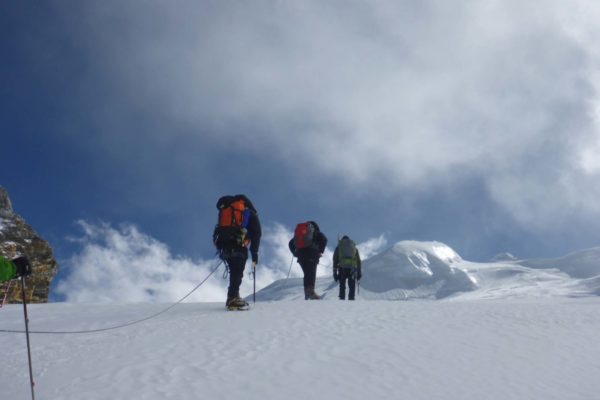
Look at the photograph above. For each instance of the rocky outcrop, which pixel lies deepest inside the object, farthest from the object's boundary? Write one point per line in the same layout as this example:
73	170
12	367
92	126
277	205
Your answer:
18	238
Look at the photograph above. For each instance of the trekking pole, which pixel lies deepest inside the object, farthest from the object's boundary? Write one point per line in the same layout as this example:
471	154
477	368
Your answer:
254	283
290	270
27	335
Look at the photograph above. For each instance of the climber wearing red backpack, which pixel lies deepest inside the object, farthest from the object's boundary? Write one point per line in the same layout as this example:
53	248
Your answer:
237	231
308	244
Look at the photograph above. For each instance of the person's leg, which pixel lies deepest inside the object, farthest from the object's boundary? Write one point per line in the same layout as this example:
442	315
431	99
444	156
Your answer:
310	275
236	273
351	285
342	277
306	279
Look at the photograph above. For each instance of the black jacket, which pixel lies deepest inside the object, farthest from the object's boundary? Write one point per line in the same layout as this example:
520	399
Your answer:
312	253
254	233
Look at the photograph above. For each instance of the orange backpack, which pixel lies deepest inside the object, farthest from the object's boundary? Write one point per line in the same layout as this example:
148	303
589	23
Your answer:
233	214
232	222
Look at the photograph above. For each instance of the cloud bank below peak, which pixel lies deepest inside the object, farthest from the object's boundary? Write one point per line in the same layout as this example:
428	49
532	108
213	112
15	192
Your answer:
124	264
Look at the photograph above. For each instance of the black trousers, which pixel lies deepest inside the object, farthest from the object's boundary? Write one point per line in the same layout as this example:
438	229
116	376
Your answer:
236	265
347	274
309	267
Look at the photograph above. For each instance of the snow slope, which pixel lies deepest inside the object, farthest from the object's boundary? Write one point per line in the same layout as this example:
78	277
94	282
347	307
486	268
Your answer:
495	350
509	329
432	270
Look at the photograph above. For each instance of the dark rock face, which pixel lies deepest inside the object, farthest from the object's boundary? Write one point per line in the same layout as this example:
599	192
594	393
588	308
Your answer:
18	238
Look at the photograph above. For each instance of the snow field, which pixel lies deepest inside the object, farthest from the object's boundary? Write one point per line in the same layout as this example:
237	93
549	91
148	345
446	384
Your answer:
511	349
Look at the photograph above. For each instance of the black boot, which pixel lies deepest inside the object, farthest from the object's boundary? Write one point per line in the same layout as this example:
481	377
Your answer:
310	294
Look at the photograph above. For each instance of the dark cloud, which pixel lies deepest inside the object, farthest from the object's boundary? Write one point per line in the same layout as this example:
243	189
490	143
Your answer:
435	105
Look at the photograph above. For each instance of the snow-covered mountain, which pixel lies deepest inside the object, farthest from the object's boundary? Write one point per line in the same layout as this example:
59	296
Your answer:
433	270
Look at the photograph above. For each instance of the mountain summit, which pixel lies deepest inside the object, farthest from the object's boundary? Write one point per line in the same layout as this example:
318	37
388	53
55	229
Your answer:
5	204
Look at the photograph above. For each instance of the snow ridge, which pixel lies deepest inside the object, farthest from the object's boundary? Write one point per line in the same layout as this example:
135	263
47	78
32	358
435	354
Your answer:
433	270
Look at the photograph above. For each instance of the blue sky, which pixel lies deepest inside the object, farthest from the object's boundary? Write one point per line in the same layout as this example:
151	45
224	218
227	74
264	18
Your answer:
474	124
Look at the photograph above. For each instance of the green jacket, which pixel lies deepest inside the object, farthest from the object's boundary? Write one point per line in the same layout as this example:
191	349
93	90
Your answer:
8	270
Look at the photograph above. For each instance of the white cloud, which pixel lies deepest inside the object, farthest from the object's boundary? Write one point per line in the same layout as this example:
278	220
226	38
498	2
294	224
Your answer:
391	95
125	265
372	246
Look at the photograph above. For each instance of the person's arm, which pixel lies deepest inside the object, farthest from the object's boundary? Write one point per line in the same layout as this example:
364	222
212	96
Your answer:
292	247
215	236
336	264
254	233
323	242
358	265
336	259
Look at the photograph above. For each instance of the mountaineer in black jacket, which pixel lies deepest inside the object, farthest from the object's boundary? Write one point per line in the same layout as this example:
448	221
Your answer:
308	244
237	231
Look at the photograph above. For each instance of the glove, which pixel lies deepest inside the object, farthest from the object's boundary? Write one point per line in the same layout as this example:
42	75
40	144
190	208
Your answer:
336	276
359	276
254	258
23	268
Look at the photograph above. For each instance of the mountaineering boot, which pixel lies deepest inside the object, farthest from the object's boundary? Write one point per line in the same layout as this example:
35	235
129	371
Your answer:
311	294
236	302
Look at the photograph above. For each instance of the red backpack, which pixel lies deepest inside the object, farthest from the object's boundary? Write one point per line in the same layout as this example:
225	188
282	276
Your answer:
305	235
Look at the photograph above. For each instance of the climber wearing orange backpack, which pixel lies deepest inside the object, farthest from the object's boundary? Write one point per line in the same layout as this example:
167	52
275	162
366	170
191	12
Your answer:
308	244
237	231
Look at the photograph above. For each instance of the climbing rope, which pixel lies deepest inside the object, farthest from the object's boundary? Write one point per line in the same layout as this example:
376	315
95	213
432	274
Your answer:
6	291
122	325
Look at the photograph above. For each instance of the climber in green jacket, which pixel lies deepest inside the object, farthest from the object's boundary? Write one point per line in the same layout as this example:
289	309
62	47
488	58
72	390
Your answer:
14	269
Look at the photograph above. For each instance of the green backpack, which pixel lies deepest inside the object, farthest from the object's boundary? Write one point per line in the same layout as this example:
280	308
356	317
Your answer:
347	253
8	270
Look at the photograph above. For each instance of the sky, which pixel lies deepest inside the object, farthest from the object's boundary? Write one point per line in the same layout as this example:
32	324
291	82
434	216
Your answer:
475	124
